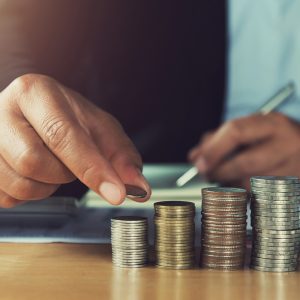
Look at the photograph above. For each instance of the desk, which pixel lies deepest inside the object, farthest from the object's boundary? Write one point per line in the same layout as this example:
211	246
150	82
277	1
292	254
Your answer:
69	271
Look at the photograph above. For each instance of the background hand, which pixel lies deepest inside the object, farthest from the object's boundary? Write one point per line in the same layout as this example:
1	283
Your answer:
50	135
268	144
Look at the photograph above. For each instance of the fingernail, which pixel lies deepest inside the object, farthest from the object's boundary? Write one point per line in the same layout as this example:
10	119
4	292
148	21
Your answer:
110	192
201	165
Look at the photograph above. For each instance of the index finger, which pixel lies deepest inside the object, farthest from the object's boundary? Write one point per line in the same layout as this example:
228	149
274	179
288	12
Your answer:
72	144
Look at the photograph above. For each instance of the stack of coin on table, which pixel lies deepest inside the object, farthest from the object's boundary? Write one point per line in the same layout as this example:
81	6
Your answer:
275	221
174	234
223	232
129	239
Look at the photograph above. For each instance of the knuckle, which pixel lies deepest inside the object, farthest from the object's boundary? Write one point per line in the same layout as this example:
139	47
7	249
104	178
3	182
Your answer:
87	173
26	82
7	202
28	163
25	189
233	128
55	132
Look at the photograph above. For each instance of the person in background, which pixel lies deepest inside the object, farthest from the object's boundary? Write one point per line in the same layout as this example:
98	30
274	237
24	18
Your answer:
73	71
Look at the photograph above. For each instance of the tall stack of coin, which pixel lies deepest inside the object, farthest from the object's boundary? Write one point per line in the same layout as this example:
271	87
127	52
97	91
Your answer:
223	232
275	221
129	239
174	234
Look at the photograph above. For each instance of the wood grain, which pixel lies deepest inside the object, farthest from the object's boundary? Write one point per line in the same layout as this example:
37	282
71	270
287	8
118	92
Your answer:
70	271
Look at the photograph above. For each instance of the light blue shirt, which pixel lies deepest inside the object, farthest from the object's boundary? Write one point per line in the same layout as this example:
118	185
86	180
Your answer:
263	54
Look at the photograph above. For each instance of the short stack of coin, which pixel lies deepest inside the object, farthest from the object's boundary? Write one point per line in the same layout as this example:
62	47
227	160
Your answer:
275	221
174	234
223	232
129	239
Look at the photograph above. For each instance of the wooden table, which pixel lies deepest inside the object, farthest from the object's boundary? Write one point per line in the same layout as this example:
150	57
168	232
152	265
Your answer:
66	271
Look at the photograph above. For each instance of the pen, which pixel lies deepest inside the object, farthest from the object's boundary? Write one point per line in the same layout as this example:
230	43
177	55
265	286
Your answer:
273	103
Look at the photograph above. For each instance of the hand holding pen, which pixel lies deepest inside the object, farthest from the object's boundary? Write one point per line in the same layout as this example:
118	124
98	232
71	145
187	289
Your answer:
270	144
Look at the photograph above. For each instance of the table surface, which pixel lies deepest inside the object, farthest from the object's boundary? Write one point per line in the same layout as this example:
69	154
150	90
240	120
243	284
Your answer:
74	271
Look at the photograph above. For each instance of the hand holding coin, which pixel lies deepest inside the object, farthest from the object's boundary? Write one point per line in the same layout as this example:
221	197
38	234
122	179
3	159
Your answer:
50	135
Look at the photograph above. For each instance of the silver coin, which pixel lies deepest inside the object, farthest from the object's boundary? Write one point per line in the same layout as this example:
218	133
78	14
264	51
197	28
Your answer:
276	196
273	261
271	264
141	262
129	219
295	232
273	249
275	179
118	236
272	185
261	239
132	258
129	241
292	238
260	222
275	256
129	229
266	238
260	244
174	205
279	219
274	226
275	213
129	233
123	247
275	203
274	269
223	190
275	189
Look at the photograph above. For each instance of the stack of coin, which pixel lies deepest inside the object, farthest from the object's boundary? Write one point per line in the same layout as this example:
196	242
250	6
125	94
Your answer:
275	220
223	232
174	234
129	239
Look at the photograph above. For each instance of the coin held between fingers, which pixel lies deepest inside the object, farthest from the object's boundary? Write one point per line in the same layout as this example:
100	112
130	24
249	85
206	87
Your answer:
135	191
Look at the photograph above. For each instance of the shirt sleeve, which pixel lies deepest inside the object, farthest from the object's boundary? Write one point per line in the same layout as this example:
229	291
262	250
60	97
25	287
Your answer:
46	37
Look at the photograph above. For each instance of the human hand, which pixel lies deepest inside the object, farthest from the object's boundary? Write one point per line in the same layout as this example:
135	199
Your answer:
269	145
50	135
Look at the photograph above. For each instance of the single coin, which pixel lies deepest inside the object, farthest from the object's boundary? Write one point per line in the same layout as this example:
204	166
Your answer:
274	269
223	190
135	191
134	219
275	189
222	267
176	266
275	179
174	204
